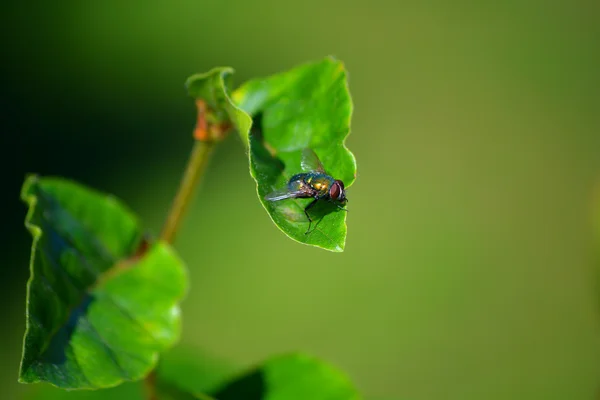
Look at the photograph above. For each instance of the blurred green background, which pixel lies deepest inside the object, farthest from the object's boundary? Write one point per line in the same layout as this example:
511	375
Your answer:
469	269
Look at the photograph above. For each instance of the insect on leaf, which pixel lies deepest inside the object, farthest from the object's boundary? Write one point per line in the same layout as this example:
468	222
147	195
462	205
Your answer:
308	107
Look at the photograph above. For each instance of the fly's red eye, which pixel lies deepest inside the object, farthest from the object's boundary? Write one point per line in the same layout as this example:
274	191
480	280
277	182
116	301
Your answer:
334	191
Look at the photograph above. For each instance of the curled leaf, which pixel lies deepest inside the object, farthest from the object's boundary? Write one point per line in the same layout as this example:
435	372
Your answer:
217	114
306	107
278	118
100	307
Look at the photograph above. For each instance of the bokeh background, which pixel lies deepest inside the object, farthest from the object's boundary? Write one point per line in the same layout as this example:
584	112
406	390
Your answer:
469	269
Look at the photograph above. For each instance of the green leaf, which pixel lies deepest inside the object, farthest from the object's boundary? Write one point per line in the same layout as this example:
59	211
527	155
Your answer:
307	107
290	377
98	312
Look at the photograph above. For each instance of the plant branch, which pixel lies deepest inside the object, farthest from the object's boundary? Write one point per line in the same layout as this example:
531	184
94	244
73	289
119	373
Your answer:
201	152
150	385
196	167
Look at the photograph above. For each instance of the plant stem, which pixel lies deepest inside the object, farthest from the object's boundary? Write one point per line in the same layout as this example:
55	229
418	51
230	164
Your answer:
150	385
196	167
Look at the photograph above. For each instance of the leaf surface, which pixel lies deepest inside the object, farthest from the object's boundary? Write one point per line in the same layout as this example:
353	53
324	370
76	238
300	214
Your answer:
306	107
98	311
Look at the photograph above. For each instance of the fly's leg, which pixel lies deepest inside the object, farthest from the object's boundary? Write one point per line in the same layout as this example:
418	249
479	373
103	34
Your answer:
308	207
338	205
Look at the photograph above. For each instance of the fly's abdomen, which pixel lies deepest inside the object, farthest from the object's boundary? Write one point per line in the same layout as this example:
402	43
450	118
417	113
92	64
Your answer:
297	182
299	187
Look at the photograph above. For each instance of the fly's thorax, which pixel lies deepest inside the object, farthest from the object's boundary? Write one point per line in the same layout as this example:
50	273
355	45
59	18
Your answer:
319	182
299	177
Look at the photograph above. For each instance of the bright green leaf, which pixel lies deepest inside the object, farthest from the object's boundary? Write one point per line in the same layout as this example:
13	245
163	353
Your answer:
97	314
307	107
290	377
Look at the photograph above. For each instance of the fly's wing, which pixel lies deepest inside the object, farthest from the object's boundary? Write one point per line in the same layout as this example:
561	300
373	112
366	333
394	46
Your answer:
310	161
281	194
294	190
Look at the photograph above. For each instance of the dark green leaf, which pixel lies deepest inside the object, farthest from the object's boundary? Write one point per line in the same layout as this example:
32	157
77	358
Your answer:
307	107
290	377
97	314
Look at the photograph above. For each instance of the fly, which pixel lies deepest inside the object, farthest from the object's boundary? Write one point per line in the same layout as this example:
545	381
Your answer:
314	183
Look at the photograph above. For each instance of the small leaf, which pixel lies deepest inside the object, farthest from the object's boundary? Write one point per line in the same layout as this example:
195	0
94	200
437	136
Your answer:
215	109
307	107
290	377
97	313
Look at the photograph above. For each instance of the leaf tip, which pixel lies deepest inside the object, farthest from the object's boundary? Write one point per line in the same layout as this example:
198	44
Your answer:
30	199
339	64
337	248
195	82
30	180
